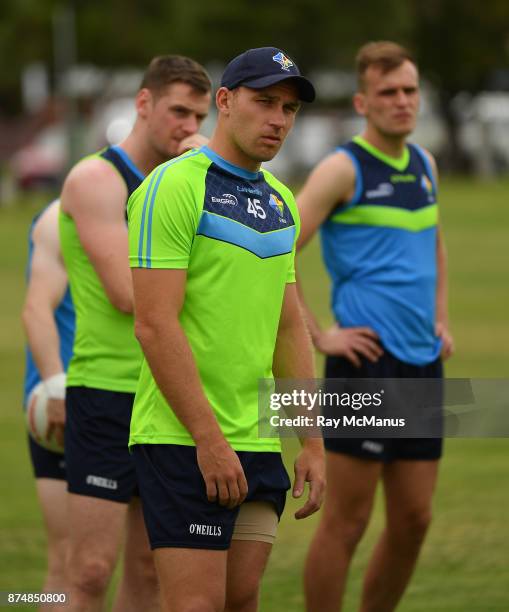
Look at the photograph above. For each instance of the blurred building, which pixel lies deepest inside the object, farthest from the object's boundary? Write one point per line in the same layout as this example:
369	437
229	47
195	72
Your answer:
98	109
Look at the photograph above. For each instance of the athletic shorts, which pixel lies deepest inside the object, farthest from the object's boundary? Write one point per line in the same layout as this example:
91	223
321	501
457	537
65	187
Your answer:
384	449
175	505
46	463
96	444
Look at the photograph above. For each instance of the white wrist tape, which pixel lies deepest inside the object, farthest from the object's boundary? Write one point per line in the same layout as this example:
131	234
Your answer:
55	386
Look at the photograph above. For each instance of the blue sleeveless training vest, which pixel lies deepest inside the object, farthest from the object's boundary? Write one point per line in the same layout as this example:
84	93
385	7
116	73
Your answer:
380	251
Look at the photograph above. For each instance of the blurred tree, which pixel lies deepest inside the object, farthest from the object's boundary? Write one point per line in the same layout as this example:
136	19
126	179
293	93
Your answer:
131	32
458	44
25	36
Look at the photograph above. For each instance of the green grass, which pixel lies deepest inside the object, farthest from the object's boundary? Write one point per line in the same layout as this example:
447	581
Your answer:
464	563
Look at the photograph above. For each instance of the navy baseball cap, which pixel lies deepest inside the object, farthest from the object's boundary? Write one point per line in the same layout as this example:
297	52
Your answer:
258	68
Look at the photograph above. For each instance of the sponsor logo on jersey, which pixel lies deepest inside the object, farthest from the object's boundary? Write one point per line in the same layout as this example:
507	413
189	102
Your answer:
403	178
251	190
99	481
384	190
286	62
226	198
277	204
206	530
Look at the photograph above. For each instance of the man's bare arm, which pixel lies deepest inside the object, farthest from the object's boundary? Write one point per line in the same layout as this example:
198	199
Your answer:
330	184
159	295
442	310
442	297
95	197
46	288
293	358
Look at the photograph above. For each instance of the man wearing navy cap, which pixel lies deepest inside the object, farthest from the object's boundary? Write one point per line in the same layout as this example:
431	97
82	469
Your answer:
212	243
259	68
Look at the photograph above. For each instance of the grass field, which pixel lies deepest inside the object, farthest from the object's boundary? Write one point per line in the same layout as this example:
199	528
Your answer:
465	561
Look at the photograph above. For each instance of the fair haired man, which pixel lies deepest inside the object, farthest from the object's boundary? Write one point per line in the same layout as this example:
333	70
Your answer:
375	200
212	242
171	104
48	319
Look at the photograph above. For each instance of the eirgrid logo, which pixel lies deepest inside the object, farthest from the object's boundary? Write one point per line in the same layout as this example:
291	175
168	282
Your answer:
226	198
384	190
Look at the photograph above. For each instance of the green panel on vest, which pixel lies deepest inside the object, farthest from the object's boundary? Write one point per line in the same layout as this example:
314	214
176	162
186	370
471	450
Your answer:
389	216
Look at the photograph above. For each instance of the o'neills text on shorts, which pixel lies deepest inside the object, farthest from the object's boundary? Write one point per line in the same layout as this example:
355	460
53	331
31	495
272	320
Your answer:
99	481
207	530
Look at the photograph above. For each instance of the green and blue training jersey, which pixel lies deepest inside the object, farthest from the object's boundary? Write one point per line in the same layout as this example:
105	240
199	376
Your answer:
234	232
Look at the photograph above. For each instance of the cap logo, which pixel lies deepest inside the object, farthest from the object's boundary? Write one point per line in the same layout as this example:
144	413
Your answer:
286	63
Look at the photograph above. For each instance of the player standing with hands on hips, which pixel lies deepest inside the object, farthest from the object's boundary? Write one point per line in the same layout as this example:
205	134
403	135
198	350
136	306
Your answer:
376	202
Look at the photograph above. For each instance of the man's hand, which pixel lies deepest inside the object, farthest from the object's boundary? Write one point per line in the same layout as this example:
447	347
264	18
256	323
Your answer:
350	342
222	472
195	141
56	420
310	467
55	389
442	331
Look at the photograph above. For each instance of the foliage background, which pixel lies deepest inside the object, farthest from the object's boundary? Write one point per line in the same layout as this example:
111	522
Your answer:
460	44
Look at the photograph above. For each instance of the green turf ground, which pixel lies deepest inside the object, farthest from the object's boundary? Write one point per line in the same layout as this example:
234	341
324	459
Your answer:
465	561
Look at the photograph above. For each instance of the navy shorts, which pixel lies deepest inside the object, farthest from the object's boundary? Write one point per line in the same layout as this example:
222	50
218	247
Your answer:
174	498
46	463
384	449
96	444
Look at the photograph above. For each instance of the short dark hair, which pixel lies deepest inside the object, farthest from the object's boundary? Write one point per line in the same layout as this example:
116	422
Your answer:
382	54
165	70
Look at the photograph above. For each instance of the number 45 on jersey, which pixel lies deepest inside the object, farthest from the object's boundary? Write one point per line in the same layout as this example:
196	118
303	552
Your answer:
254	208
